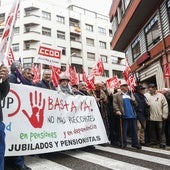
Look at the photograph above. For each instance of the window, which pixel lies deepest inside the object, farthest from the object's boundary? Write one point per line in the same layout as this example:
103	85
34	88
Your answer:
46	15
27	45
2	18
16	30
102	44
90	42
91	56
106	73
117	60
61	35
78	67
136	49
168	9
63	67
102	30
63	50
60	19
118	73
104	58
15	47
46	31
89	70
89	27
1	31
126	2
27	62
152	32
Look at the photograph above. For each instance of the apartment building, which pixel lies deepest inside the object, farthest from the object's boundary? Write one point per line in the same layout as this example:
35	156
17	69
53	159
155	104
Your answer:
84	36
141	29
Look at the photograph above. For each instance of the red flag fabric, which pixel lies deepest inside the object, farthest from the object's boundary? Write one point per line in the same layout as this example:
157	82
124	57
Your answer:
36	70
7	35
131	82
72	74
129	78
84	76
127	71
98	69
55	75
10	57
90	82
113	82
167	70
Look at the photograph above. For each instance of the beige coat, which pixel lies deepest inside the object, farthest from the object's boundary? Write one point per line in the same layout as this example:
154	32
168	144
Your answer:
158	106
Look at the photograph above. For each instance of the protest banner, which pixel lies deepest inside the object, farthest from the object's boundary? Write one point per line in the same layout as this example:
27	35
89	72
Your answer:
48	56
40	121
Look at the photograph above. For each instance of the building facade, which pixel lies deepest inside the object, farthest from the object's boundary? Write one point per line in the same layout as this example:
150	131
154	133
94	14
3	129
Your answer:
84	36
141	29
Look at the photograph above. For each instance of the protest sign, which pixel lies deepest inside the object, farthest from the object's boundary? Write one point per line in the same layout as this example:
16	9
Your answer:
48	56
40	120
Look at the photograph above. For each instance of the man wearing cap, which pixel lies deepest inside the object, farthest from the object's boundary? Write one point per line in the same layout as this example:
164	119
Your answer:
64	85
123	104
158	113
142	111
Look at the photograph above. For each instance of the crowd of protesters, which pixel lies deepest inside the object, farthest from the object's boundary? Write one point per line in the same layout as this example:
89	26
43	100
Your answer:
140	117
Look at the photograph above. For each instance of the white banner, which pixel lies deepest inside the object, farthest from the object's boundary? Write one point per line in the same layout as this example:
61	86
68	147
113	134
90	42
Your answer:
48	56
40	120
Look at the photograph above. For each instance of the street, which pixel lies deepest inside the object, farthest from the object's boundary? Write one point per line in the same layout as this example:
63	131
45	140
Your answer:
103	158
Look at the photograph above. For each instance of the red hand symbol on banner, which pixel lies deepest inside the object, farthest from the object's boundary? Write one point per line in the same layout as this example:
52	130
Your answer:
38	104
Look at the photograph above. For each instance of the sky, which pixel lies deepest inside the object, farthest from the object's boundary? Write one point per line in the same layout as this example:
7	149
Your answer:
99	6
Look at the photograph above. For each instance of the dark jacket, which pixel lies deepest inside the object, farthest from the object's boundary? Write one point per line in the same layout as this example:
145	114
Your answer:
45	85
13	78
142	107
4	89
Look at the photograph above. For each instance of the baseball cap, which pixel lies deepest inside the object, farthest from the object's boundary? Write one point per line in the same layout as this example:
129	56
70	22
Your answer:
140	87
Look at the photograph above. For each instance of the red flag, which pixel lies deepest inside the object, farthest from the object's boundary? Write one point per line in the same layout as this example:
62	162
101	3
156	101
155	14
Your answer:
129	78
113	82
73	76
10	57
36	70
84	76
55	75
7	35
90	82
167	70
127	71
131	82
98	69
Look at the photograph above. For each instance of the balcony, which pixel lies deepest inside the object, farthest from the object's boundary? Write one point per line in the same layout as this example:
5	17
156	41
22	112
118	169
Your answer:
76	44
134	19
32	36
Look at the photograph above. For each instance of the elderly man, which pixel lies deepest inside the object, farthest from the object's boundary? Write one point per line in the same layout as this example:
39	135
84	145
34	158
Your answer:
123	104
158	115
142	111
28	76
46	80
64	85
